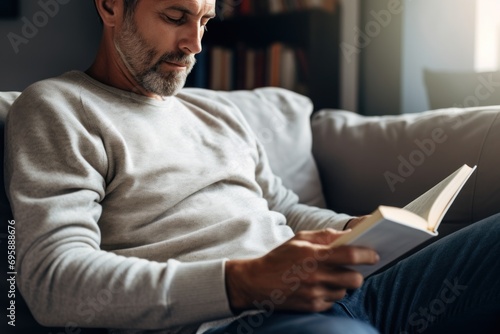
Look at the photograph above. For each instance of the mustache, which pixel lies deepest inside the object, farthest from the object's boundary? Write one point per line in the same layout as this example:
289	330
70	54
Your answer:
178	58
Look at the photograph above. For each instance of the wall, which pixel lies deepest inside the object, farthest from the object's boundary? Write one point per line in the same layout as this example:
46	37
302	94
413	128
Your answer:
444	35
438	35
380	57
51	37
349	61
487	53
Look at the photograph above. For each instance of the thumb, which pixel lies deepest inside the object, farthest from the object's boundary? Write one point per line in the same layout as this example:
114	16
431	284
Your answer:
321	237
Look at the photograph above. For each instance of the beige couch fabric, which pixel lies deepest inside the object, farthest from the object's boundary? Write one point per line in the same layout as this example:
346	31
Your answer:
6	100
390	160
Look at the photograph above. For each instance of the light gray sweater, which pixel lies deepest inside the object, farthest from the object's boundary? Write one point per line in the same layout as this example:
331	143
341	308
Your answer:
127	207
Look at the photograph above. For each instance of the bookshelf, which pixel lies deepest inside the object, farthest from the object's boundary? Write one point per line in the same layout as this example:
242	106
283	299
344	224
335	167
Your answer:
300	47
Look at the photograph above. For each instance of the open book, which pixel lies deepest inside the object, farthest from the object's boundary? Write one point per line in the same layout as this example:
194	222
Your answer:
394	231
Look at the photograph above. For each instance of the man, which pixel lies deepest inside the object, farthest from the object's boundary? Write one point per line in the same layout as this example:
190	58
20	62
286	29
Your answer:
123	188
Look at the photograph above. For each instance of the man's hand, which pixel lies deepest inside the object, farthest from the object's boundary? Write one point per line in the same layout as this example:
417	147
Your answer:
303	274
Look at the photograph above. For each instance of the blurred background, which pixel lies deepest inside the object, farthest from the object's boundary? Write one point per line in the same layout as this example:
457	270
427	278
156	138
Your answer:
394	56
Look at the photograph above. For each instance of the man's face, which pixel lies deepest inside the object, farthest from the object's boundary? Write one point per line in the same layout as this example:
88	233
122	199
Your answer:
158	42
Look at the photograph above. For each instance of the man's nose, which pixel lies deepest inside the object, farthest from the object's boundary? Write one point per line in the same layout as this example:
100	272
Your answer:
190	42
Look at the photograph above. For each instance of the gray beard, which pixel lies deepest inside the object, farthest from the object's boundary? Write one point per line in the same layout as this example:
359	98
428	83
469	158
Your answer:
139	57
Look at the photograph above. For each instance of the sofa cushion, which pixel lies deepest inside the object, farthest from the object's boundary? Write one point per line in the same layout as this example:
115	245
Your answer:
390	160
281	121
6	100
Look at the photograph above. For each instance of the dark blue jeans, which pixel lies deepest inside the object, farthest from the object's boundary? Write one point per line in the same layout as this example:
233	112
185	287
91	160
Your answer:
451	286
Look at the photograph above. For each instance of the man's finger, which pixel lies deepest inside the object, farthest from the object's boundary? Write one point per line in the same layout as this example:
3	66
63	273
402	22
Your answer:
321	237
347	255
341	278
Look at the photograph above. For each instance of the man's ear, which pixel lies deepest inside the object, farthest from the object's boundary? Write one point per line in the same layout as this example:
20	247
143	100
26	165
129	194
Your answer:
110	11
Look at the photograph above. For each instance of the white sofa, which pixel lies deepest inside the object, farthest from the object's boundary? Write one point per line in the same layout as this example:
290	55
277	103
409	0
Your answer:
352	163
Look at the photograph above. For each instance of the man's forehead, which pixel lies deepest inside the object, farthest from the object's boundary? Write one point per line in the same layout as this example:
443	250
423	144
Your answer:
198	3
194	7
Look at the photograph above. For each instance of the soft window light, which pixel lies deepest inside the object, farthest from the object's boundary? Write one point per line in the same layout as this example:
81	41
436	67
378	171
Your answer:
487	49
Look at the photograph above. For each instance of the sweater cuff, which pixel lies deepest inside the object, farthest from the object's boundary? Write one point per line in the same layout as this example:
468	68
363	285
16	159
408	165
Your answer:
197	291
340	221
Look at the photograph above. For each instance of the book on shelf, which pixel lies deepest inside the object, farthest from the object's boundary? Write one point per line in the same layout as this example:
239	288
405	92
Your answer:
274	61
244	67
229	8
393	231
221	68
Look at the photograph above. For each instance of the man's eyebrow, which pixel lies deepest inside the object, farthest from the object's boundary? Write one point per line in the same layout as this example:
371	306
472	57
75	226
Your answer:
209	15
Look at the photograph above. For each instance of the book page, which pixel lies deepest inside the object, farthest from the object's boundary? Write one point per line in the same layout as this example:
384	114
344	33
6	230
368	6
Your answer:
434	203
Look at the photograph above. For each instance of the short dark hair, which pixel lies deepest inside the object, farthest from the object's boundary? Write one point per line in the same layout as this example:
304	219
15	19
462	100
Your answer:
128	5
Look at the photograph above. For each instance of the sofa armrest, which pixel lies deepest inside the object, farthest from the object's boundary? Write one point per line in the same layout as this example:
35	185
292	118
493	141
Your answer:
6	100
368	161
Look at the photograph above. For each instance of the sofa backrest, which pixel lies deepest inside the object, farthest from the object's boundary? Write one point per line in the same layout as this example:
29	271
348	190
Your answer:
390	160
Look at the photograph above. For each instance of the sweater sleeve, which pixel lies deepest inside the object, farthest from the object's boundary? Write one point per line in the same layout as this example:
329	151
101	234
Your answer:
299	216
55	171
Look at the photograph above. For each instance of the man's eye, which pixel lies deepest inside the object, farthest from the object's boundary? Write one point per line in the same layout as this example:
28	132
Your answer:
174	20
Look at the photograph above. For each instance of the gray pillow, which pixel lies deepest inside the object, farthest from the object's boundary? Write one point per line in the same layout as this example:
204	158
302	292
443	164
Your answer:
462	89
